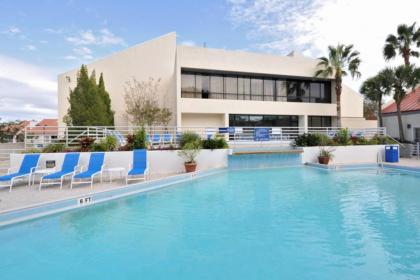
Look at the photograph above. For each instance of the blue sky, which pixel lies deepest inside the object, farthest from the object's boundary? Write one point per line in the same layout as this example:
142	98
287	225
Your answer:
40	39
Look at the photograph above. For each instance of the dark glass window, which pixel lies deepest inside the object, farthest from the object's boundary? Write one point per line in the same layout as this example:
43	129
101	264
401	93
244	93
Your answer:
244	88
231	87
263	120
188	85
319	121
257	89
216	87
269	90
227	86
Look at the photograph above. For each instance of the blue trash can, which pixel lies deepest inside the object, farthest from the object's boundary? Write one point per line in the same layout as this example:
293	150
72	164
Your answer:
391	153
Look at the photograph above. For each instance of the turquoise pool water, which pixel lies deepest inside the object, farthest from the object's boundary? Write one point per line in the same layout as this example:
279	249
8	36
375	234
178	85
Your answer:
286	223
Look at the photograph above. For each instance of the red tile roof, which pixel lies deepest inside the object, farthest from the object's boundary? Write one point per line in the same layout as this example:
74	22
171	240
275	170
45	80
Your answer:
47	126
410	103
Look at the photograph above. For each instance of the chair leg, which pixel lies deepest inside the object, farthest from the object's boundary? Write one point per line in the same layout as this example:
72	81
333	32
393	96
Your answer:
40	184
61	183
11	184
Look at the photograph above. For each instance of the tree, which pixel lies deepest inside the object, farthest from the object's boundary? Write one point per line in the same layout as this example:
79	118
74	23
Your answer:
404	42
142	106
341	60
370	109
375	88
109	114
405	78
89	102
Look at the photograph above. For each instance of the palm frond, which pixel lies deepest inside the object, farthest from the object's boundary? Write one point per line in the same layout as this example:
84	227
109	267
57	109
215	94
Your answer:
389	51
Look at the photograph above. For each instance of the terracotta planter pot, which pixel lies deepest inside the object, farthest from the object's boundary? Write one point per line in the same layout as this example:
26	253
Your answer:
190	167
323	160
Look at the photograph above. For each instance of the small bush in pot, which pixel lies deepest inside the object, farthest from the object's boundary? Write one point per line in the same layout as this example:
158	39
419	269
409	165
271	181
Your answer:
189	152
325	155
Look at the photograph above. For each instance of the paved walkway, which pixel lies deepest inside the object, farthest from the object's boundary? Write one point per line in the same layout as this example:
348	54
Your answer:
24	196
409	162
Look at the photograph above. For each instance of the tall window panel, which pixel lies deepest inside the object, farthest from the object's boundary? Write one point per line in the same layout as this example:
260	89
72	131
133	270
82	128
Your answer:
281	91
188	85
269	90
244	88
231	87
257	89
216	87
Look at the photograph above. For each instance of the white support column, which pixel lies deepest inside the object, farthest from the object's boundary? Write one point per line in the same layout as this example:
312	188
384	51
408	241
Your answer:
303	122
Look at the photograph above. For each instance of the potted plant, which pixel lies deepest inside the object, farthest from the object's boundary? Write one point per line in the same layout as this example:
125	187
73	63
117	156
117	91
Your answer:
325	155
189	152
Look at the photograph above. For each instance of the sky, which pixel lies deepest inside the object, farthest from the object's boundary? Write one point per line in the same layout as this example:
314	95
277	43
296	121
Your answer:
41	39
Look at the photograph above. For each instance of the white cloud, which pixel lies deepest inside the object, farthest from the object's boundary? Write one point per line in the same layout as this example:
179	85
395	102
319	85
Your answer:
29	48
310	26
26	91
12	30
189	43
103	37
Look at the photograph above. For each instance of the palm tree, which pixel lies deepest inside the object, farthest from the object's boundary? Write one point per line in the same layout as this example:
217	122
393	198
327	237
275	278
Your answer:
375	88
405	78
406	39
341	60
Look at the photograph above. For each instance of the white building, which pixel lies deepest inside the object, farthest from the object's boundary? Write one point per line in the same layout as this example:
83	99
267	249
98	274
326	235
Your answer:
410	116
218	88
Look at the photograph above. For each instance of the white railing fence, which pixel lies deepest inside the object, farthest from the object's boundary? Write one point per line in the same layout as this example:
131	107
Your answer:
71	135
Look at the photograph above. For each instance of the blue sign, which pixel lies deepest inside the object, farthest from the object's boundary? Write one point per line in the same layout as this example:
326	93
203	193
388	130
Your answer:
231	130
223	130
261	134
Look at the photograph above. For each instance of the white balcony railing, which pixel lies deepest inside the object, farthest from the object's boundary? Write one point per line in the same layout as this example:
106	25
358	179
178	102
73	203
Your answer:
159	135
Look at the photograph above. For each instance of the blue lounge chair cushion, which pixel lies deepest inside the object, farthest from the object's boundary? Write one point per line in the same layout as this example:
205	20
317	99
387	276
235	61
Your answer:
95	165
9	177
86	174
69	164
29	161
139	162
137	171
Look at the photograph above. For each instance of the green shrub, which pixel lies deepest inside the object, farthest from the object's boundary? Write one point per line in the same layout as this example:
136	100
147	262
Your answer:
381	140
139	139
307	140
342	137
106	144
188	137
359	141
54	148
219	142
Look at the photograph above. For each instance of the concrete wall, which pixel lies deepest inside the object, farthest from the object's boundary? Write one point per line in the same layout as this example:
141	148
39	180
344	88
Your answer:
155	59
161	58
203	120
391	124
347	154
160	162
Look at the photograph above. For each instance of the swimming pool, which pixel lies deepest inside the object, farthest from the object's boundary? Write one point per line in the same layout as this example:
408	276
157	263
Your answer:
285	223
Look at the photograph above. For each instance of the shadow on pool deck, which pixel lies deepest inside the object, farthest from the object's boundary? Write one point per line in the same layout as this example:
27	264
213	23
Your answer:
24	196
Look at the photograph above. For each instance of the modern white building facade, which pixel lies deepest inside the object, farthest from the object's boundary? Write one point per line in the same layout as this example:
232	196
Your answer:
206	87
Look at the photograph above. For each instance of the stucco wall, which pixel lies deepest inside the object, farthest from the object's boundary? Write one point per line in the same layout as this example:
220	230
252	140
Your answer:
154	58
161	58
391	124
160	162
202	120
347	154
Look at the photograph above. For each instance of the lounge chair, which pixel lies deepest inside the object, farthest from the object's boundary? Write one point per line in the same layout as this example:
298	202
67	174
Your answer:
95	168
167	138
140	166
68	168
27	167
156	139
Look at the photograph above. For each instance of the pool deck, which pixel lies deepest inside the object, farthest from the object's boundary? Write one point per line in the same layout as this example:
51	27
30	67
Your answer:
23	196
406	162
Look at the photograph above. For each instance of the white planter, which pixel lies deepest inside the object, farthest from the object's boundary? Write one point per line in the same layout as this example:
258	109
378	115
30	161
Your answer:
347	154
